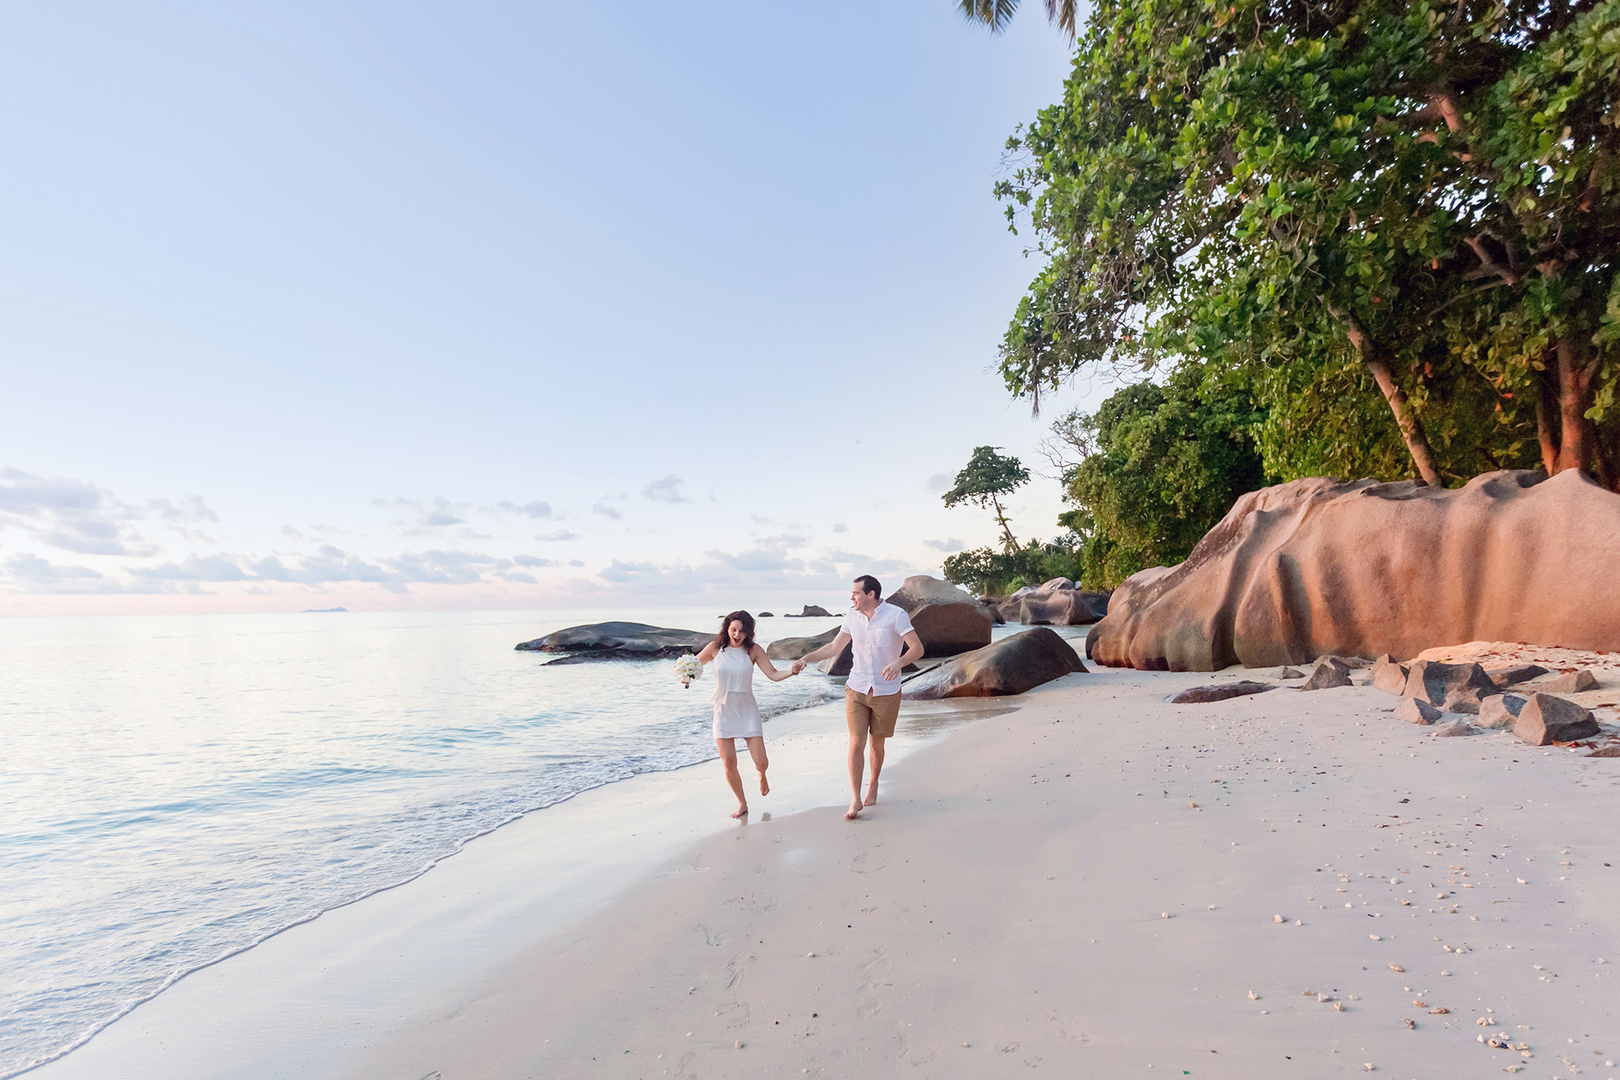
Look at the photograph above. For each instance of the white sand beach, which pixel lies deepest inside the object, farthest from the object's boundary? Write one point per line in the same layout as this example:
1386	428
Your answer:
1097	883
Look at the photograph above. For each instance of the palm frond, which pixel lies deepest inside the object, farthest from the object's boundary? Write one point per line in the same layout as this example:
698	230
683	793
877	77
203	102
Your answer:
996	14
1062	13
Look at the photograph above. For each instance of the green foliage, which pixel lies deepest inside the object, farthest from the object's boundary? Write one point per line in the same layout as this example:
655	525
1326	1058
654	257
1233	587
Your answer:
1321	194
987	477
1156	466
989	572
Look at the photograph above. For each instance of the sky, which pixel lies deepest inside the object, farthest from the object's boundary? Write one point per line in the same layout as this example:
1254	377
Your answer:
501	305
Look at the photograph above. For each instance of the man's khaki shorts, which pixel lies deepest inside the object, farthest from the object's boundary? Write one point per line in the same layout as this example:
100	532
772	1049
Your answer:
875	713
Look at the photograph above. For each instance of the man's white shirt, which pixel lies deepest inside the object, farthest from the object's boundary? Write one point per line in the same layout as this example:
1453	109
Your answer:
876	642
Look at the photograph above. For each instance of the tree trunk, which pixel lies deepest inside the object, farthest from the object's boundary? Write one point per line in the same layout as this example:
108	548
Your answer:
1546	419
1001	519
1417	441
1576	442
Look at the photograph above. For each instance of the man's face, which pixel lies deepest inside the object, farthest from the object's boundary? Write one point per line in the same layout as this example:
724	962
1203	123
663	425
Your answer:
864	602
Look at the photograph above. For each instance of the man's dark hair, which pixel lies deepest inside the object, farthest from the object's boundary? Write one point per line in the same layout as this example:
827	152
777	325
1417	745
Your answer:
870	584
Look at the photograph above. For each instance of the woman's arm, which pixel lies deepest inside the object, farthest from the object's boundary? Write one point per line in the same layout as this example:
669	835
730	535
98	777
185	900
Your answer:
765	665
710	651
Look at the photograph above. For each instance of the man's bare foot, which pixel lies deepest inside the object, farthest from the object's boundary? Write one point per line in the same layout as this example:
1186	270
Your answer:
764	785
854	810
871	795
740	812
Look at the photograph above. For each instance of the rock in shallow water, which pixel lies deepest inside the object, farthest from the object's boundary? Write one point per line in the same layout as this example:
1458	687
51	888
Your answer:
619	640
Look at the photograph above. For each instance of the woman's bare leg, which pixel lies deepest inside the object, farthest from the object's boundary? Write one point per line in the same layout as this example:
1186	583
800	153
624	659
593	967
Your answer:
756	750
728	758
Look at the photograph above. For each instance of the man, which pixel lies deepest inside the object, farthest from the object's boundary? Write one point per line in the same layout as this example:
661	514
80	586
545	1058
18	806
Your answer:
872	693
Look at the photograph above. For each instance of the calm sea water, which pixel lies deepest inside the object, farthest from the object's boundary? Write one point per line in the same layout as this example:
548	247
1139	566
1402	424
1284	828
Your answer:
174	789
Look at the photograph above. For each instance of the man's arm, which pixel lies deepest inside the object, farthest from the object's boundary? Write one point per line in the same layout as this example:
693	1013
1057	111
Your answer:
832	648
914	651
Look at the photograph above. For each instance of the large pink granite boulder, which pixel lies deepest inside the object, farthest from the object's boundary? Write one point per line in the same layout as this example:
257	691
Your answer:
1317	566
948	620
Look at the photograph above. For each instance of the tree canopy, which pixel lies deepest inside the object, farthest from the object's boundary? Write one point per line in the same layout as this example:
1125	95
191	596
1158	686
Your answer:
1400	220
984	481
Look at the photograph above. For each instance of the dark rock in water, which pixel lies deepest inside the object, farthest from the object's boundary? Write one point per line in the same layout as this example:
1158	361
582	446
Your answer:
619	641
1290	673
1317	566
1515	673
1570	682
1330	672
766	615
1198	695
1012	665
325	610
1413	711
1545	720
947	619
1452	687
1501	711
1389	676
992	608
791	648
810	611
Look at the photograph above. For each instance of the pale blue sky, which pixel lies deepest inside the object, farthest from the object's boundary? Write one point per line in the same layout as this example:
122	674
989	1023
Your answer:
392	305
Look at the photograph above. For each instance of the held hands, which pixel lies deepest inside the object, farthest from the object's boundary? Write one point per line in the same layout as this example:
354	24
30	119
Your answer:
798	666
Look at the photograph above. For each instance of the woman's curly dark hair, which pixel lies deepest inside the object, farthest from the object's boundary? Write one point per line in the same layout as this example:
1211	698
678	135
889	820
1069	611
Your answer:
723	638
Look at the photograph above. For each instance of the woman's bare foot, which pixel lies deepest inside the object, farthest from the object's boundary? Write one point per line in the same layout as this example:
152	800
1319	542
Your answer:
741	811
854	810
764	785
871	795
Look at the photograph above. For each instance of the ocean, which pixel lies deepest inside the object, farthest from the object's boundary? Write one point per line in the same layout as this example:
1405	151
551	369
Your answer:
175	789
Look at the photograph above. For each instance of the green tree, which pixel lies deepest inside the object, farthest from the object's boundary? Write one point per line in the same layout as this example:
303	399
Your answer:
1415	200
1155	467
984	481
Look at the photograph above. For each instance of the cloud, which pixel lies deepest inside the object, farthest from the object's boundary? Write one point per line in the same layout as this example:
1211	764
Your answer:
623	571
441	513
26	567
952	544
560	534
191	508
536	509
666	490
940	483
607	511
755	559
81	517
786	540
840	527
530	560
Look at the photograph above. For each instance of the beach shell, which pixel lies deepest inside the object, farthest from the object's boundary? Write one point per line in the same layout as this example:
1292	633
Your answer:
1441	1011
1396	967
1253	996
1278	918
1410	1023
1338	1006
1375	937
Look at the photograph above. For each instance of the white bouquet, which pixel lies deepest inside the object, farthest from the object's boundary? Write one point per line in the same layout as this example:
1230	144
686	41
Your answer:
688	668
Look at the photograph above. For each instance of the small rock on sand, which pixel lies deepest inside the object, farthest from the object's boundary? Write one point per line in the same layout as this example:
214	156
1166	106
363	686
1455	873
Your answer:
1413	711
1290	673
1452	687
1220	692
1514	673
1389	676
1330	671
1572	682
1453	729
1546	719
1501	711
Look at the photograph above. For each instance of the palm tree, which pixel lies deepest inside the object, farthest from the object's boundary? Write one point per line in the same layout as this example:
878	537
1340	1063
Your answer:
996	14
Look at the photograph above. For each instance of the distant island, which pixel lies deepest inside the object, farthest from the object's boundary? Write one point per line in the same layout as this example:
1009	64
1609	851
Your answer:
323	610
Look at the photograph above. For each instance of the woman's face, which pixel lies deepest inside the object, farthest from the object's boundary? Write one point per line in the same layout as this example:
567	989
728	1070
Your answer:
734	630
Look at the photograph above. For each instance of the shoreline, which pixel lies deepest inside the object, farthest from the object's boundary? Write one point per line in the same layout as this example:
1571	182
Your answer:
1104	871
268	1007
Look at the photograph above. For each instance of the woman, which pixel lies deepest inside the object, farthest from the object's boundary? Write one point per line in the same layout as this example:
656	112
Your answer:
736	713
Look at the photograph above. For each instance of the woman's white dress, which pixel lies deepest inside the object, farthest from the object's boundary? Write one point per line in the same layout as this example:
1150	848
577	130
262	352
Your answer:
736	713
